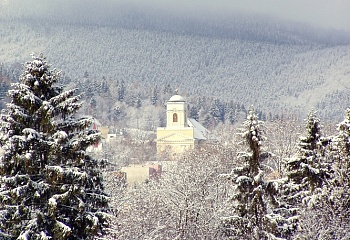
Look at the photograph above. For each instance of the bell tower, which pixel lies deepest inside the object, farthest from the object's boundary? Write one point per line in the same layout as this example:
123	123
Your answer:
177	136
176	112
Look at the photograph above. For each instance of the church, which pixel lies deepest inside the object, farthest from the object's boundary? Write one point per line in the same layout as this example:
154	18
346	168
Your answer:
181	133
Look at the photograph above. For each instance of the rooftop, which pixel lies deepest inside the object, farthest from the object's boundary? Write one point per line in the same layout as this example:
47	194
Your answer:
176	98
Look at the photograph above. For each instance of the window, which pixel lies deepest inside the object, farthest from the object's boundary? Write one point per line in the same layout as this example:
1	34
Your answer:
175	117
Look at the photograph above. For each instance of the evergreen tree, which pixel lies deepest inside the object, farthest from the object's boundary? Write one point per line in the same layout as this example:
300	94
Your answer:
89	86
138	101
104	87
255	208
308	171
329	215
92	106
154	96
231	113
341	151
49	186
194	113
167	89
340	184
121	91
217	111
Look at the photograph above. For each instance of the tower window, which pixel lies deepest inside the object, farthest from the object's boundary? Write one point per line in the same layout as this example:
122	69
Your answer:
175	117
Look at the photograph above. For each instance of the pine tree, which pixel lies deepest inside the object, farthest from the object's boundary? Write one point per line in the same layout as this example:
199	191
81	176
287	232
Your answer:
49	186
254	198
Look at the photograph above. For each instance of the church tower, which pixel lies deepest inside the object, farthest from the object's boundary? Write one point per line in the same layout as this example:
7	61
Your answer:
177	136
176	112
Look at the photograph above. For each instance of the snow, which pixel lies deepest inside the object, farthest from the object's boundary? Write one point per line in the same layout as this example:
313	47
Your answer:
258	190
28	95
56	169
280	181
258	177
241	179
45	105
43	236
24	236
18	111
28	155
37	62
77	174
17	191
245	154
60	136
64	229
310	168
52	202
30	134
95	221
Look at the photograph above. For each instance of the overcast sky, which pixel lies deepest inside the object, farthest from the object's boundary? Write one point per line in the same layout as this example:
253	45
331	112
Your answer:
325	13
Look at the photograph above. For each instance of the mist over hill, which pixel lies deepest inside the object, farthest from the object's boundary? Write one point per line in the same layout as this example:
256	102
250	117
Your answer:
272	63
177	19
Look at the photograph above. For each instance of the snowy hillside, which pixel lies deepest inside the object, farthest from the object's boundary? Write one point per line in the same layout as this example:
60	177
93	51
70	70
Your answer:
270	65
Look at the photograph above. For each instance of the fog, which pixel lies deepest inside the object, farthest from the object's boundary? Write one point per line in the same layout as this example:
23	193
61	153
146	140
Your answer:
324	13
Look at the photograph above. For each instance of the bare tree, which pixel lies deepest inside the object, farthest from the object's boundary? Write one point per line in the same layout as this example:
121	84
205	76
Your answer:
186	203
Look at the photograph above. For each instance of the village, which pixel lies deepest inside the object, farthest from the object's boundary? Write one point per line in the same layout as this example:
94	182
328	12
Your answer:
163	120
178	136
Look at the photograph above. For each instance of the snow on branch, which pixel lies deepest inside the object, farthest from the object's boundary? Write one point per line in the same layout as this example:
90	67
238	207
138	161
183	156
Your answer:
62	97
31	134
62	230
70	105
60	137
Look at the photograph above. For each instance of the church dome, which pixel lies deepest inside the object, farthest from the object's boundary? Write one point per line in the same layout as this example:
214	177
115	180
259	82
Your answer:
176	98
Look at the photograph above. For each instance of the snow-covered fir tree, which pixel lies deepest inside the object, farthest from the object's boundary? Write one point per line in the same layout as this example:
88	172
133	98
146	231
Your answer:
254	204
329	215
49	187
341	151
306	173
341	182
309	169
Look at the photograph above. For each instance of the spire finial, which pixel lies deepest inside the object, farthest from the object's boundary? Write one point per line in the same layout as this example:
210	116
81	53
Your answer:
176	91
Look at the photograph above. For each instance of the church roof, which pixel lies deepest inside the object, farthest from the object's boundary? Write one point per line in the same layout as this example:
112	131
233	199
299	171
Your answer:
176	98
200	132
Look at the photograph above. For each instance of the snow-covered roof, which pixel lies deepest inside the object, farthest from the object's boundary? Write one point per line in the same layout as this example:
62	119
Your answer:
176	98
200	132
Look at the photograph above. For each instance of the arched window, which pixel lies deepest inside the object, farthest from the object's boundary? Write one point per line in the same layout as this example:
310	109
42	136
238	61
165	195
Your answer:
175	117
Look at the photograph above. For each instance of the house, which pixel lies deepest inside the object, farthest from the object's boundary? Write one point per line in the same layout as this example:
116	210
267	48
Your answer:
181	133
97	147
136	174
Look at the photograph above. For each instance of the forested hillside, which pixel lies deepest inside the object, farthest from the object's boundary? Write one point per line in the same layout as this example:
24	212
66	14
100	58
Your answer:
279	67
